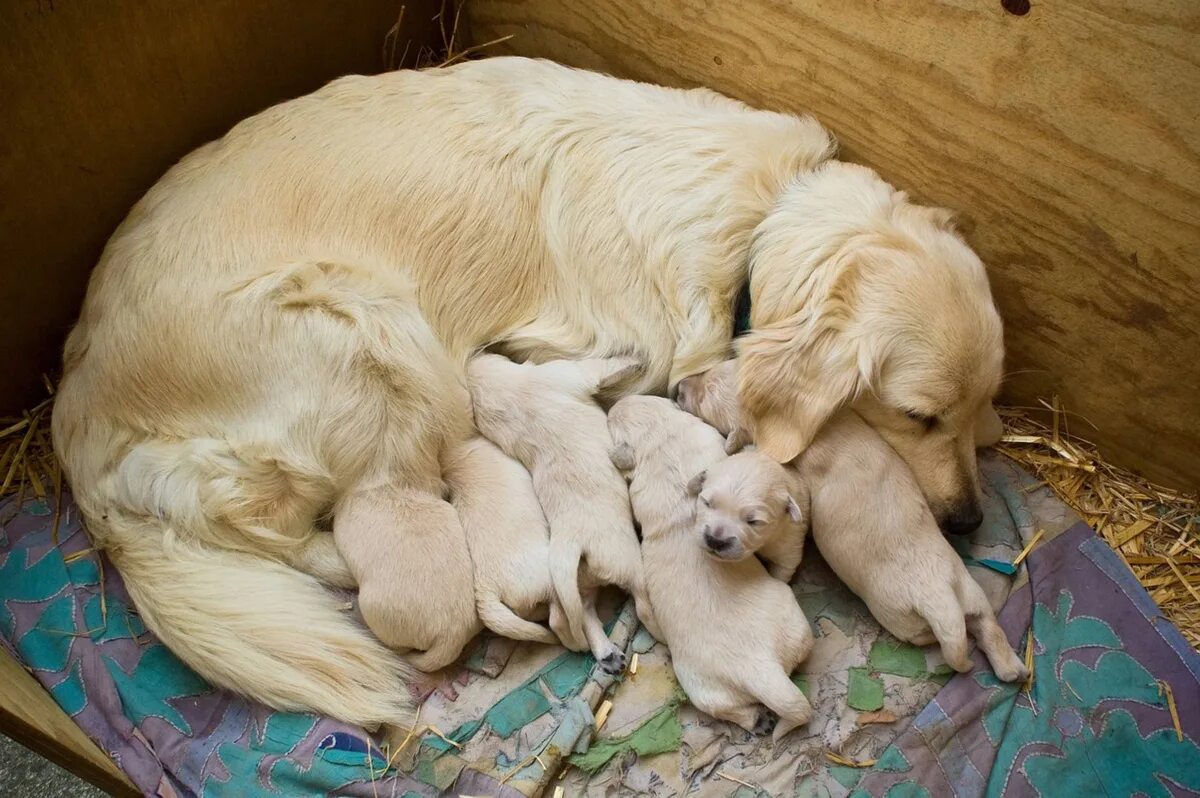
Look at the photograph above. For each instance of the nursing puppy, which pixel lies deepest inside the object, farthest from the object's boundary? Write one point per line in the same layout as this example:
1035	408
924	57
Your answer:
735	633
508	540
408	553
545	417
874	528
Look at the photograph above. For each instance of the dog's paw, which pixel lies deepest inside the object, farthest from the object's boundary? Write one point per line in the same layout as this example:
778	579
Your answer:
766	722
613	662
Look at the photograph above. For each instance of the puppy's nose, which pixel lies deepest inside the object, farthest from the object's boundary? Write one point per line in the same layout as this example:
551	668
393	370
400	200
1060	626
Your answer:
715	543
963	520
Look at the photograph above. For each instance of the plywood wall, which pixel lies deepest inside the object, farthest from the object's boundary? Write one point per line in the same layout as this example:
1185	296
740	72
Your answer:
99	97
1068	135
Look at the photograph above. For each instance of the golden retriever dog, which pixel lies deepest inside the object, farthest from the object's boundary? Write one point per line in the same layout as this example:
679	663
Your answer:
508	539
869	521
545	417
747	508
735	633
408	553
287	315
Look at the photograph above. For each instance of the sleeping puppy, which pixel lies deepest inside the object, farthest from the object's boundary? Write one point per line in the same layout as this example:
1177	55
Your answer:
545	417
508	540
735	634
864	499
408	553
748	508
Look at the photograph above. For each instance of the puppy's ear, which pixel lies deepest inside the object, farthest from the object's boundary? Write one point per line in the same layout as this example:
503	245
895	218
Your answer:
622	457
601	375
738	439
988	426
793	511
792	377
697	484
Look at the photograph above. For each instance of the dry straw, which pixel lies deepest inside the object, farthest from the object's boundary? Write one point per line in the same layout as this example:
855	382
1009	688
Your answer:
1154	529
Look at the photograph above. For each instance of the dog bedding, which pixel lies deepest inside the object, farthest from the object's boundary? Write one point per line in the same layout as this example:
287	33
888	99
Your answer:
1113	706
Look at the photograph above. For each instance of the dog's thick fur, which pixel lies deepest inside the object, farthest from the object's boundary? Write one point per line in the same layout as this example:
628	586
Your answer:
545	417
873	527
735	633
508	539
288	311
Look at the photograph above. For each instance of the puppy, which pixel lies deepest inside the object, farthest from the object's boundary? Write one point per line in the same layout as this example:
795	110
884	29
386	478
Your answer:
544	416
735	634
747	507
873	526
508	540
408	553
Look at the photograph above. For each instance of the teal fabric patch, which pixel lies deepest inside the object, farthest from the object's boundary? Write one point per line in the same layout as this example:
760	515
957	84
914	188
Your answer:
69	693
172	681
516	709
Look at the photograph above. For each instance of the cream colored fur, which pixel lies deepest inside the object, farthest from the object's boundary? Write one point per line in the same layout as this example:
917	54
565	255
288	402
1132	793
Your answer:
749	505
288	311
545	417
860	497
735	633
508	539
408	553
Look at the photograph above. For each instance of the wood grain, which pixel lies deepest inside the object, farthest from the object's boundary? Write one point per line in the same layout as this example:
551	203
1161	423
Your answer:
1068	138
99	98
29	715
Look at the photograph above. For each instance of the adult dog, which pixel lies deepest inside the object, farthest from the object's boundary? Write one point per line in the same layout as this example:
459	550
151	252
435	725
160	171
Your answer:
284	319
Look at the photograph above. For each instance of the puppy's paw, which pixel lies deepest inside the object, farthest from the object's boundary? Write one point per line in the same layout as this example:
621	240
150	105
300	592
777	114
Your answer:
613	662
765	723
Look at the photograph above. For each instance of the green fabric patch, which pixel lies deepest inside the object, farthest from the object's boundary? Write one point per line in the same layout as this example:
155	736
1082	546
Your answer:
864	691
892	760
516	709
567	674
897	658
942	674
660	733
846	776
801	681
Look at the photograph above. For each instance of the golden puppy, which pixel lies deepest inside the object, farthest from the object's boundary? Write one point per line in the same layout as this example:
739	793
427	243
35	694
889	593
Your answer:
861	298
408	553
873	527
508	540
735	633
545	417
747	508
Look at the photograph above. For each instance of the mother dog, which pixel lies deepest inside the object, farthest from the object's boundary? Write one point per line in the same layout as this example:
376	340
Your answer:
281	326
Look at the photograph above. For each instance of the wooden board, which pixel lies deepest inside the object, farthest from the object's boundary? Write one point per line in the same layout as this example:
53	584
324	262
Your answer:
99	98
29	715
1068	136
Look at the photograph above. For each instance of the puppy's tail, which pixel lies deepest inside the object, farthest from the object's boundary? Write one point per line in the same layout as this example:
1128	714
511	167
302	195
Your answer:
497	616
564	575
777	692
256	627
945	618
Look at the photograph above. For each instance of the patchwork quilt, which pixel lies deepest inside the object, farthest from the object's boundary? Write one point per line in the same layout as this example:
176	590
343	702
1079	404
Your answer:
1112	708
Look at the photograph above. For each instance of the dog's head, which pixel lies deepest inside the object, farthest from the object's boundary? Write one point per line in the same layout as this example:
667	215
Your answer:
742	502
862	298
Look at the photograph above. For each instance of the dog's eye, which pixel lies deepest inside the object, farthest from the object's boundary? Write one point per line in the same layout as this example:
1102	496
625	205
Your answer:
929	422
757	521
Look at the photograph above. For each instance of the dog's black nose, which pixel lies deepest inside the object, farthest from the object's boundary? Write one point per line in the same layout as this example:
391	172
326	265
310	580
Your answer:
715	543
964	519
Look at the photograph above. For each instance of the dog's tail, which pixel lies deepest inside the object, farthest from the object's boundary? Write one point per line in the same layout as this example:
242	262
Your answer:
945	618
564	575
499	617
255	626
780	695
981	623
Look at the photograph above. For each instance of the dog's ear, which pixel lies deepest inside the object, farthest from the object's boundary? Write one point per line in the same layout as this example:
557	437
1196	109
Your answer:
988	426
622	457
792	376
793	511
697	484
601	375
738	439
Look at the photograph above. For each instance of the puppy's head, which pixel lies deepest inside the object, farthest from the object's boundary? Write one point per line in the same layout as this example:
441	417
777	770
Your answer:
712	397
742	502
861	298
